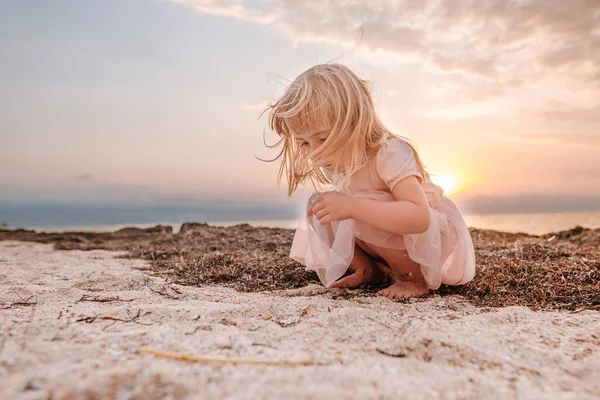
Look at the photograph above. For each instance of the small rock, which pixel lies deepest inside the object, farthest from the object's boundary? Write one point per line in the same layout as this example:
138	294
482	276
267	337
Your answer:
289	321
32	385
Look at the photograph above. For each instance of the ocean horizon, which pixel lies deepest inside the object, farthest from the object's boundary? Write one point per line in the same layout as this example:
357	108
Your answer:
531	223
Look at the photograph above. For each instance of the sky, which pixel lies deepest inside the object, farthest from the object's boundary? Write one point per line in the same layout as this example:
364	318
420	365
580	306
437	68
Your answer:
158	102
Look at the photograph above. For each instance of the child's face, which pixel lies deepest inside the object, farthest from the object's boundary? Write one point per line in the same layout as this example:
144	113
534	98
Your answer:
311	140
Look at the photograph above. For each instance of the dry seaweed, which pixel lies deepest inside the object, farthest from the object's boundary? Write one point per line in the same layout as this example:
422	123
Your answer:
554	271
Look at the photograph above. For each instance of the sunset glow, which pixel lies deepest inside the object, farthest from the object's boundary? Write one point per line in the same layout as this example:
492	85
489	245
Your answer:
448	182
160	101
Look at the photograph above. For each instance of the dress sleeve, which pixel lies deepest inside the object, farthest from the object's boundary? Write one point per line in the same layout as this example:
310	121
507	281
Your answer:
396	161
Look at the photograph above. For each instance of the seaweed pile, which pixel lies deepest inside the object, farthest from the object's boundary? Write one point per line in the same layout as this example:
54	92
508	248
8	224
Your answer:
553	271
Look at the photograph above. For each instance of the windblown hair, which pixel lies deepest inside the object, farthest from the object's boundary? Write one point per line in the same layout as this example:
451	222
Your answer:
329	97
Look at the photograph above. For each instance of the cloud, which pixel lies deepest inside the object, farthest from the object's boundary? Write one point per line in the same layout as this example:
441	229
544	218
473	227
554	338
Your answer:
482	38
584	115
585	138
237	9
85	177
556	126
492	51
529	203
259	105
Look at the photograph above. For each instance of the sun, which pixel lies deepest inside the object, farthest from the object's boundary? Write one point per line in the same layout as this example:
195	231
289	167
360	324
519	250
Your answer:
446	182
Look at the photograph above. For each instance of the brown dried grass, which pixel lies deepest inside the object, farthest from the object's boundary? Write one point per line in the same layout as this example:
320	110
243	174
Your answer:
554	271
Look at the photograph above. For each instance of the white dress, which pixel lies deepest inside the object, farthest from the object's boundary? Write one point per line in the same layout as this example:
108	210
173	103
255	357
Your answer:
445	251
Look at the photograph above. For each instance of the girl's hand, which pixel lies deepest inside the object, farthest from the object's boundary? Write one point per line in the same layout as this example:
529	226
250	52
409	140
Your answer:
332	206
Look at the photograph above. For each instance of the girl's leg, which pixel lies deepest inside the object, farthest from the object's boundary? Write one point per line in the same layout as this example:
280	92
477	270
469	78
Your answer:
407	276
364	267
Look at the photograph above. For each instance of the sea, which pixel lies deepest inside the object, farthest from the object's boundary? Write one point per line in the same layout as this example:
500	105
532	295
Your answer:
532	223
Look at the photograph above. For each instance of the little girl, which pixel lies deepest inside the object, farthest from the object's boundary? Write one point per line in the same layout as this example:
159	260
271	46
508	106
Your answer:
385	216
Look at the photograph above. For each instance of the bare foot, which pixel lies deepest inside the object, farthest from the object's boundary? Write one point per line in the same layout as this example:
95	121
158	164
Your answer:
404	290
358	278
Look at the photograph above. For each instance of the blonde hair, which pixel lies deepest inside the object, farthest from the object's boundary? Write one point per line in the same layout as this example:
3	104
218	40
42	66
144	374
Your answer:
328	96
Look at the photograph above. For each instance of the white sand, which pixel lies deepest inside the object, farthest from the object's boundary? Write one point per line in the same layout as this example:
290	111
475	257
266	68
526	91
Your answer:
451	349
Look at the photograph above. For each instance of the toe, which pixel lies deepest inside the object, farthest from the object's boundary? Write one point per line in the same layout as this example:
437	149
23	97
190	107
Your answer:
354	280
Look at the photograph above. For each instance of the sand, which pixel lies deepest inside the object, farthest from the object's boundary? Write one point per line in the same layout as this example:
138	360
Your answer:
72	324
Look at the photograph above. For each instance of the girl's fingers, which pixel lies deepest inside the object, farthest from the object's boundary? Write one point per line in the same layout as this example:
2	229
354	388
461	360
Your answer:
316	208
325	220
321	214
311	209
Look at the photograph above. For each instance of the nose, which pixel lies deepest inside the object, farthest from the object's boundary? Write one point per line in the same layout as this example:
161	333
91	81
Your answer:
313	146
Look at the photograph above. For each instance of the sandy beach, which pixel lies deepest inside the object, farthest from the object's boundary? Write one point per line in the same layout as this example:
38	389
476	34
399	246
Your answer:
78	321
158	157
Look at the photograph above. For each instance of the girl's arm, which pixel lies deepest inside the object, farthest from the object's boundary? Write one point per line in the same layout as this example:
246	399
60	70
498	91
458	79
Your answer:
408	214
